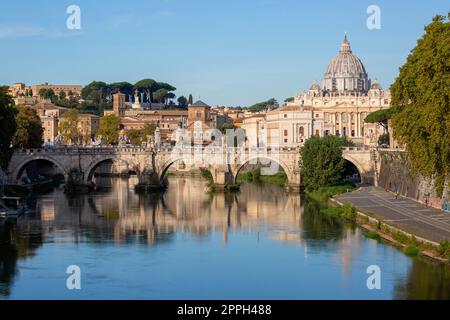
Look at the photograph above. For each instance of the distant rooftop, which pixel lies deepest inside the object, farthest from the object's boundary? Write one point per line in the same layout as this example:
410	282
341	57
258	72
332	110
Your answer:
200	103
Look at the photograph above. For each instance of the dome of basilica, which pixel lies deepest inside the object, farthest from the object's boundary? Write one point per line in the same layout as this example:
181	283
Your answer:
346	72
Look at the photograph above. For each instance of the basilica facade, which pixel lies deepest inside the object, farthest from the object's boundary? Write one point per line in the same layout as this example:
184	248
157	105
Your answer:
336	107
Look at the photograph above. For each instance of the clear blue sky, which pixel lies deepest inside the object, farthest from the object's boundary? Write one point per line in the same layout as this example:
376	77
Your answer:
228	52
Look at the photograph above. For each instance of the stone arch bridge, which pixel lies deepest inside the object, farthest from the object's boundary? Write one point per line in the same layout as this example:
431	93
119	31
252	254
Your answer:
151	164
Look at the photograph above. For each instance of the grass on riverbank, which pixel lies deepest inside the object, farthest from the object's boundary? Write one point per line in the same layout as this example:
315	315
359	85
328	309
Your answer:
255	176
347	212
323	194
329	209
371	235
408	243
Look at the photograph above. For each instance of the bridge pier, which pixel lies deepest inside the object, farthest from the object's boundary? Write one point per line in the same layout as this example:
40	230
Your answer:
223	180
75	183
293	181
149	181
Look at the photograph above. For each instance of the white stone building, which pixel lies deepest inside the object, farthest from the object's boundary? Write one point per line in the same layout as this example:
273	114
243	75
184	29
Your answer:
339	107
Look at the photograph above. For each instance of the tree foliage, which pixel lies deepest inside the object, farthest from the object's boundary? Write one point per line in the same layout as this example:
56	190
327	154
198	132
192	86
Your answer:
321	161
109	128
97	91
46	94
271	103
68	126
380	117
124	87
182	102
159	91
160	95
421	100
137	137
29	130
7	125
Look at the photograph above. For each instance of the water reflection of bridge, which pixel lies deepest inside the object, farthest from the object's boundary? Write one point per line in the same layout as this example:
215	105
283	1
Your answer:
185	208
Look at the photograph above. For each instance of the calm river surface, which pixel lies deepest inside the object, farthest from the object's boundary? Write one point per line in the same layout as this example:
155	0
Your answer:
261	243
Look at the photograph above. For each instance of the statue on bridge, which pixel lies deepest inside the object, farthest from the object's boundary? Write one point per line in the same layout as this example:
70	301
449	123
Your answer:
157	136
97	141
59	140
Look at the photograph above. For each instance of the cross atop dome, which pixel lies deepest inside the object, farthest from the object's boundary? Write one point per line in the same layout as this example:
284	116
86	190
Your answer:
345	45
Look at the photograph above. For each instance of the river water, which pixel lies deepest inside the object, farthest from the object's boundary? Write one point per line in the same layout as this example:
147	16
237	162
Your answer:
260	243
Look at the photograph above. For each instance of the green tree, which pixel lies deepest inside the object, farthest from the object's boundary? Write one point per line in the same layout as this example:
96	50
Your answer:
109	128
271	103
290	99
68	126
163	85
191	100
29	130
160	95
135	136
421	100
182	102
62	95
149	129
124	87
7	125
321	161
148	86
380	117
46	93
97	91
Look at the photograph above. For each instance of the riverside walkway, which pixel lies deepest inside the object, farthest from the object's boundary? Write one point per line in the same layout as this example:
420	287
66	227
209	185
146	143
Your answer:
404	213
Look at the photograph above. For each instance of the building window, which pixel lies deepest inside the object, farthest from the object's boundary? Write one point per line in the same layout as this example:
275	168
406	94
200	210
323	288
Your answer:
285	133
317	115
317	133
285	115
285	140
301	131
353	133
338	133
327	132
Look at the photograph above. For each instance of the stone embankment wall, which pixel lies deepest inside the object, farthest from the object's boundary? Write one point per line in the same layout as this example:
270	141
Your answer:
396	175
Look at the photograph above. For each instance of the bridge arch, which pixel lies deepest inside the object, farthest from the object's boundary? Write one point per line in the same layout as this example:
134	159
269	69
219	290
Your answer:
358	166
285	167
90	170
18	170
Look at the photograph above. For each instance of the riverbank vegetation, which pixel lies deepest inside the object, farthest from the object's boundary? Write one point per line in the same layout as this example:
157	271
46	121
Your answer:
323	194
255	176
408	243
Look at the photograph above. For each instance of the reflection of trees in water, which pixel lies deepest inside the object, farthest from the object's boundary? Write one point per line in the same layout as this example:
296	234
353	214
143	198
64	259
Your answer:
14	245
425	280
317	226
